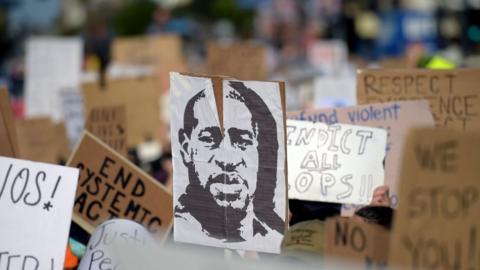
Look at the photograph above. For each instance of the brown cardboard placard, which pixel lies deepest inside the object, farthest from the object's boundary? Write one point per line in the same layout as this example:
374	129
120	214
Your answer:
37	139
8	136
242	60
61	142
111	186
213	91
359	242
142	104
109	124
437	224
452	94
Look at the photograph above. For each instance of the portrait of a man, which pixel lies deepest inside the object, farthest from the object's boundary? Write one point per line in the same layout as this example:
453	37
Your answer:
232	172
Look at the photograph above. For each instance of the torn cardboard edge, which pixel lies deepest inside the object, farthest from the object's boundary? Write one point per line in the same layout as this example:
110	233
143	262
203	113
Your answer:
83	224
217	83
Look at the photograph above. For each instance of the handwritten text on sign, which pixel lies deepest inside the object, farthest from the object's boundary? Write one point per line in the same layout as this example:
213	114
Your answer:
397	118
110	186
439	227
108	123
337	163
453	95
36	201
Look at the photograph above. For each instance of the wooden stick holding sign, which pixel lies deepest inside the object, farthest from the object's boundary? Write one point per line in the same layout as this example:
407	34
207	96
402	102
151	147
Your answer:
110	186
8	136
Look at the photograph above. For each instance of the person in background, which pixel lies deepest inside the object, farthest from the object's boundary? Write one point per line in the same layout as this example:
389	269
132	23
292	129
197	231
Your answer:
379	211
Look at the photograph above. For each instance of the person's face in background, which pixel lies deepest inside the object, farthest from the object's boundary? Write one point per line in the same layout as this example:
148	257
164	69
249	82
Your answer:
226	164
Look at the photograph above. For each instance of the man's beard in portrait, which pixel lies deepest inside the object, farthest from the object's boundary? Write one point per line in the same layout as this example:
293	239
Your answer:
221	222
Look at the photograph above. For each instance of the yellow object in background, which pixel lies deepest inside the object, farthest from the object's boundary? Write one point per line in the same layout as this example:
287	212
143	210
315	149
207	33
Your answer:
438	62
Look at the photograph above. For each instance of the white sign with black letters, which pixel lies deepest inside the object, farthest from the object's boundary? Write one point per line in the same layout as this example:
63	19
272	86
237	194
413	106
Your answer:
36	202
334	163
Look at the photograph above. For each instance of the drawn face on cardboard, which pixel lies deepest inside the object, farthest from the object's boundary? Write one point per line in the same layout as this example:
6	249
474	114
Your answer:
225	161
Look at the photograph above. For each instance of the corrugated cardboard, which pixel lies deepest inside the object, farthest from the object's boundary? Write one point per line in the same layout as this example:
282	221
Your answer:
8	136
111	186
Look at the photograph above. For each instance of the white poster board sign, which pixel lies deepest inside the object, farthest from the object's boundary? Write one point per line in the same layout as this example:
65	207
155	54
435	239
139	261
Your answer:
52	64
229	164
337	163
111	240
333	91
36	202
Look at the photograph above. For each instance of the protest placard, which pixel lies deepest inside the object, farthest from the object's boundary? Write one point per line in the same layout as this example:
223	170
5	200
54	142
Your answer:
334	163
40	139
148	50
44	84
36	201
452	94
229	162
163	52
397	118
357	242
437	223
109	124
8	135
241	60
115	244
74	118
110	186
142	104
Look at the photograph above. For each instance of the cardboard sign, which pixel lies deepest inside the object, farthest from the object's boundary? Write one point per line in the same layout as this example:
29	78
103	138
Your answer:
437	223
36	201
243	60
395	117
337	163
110	240
39	139
52	64
452	94
358	242
110	186
8	136
109	125
72	103
148	50
142	104
229	162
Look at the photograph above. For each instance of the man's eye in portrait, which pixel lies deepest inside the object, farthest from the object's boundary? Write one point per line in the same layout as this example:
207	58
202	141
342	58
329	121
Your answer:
211	137
240	138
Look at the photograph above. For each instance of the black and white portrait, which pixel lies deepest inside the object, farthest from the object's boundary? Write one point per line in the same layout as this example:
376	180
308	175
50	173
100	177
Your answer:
229	177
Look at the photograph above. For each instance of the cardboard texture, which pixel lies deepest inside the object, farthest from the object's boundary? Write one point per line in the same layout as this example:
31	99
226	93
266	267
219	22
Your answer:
115	240
40	139
109	124
36	201
141	100
8	136
242	60
163	52
437	223
357	242
220	109
397	118
111	186
334	163
452	94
